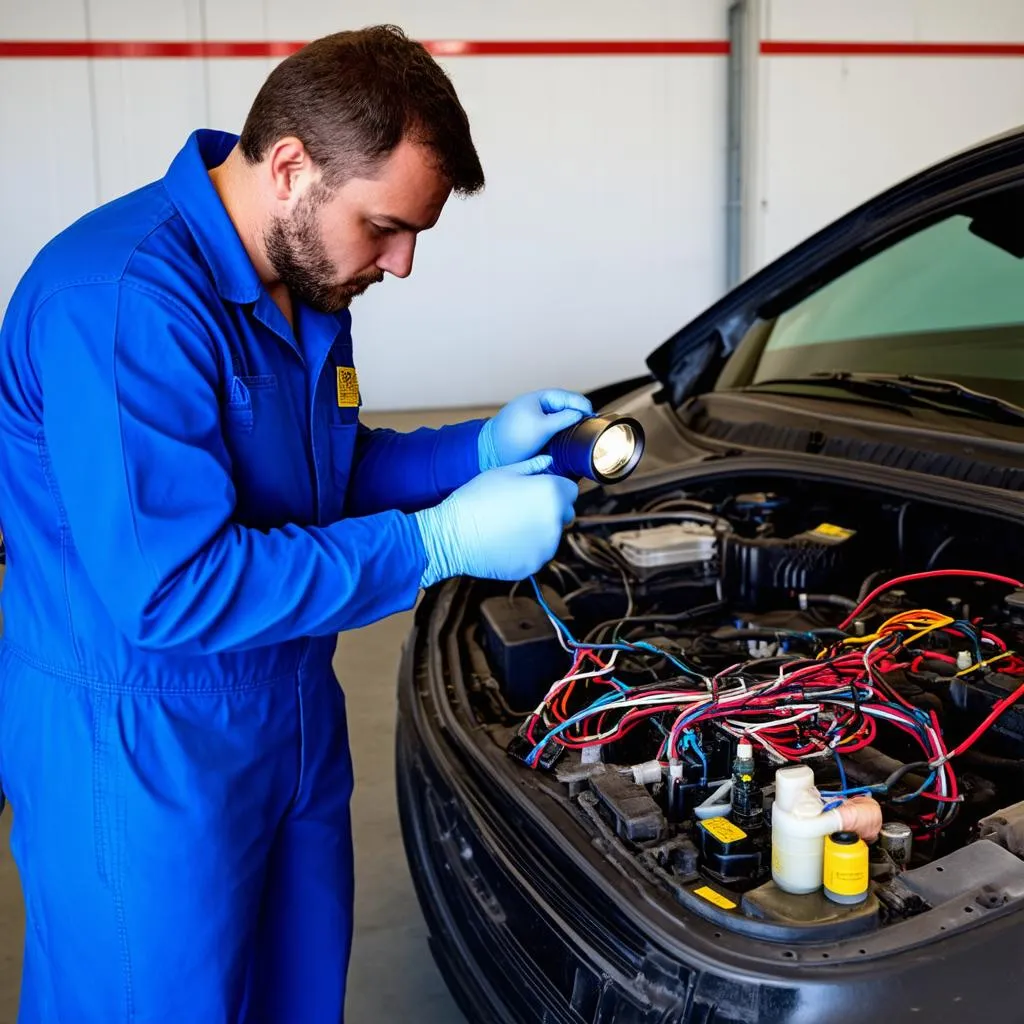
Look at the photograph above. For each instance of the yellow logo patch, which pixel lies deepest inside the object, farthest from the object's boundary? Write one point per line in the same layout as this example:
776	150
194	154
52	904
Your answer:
348	388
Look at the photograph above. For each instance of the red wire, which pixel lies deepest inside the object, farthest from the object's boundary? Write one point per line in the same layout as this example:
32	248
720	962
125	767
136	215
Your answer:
935	573
936	656
628	721
809	677
989	719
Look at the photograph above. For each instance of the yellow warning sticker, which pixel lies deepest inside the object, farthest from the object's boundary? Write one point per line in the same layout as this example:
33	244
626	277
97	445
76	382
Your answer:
348	388
723	830
709	894
833	531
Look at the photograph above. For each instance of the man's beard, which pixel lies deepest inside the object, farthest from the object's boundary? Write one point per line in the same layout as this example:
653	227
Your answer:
297	253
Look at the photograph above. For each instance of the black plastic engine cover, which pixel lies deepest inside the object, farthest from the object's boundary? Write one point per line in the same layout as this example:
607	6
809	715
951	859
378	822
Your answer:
976	694
636	814
756	570
523	649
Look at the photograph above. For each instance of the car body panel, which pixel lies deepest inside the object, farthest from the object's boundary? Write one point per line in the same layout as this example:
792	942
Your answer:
534	918
526	928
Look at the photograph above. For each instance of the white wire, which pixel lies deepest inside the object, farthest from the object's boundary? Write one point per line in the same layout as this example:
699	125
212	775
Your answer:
733	695
609	668
772	722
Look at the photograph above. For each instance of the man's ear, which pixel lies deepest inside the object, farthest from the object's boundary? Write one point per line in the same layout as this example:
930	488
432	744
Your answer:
290	165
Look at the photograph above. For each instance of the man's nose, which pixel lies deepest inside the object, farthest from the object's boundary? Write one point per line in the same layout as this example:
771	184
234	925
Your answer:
398	256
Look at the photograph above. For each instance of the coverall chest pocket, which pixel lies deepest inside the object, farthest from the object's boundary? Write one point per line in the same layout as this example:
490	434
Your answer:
265	429
245	393
343	435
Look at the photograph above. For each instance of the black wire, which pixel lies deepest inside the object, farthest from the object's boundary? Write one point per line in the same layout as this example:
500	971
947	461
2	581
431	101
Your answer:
597	552
869	584
730	633
680	498
617	518
837	600
938	551
670	617
905	769
937	826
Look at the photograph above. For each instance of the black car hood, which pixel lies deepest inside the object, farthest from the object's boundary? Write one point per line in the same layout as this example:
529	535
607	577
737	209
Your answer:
836	440
690	361
976	452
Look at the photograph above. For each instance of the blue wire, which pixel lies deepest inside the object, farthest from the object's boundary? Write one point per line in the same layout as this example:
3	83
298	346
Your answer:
690	740
579	716
576	645
971	633
842	794
911	796
842	770
645	646
563	628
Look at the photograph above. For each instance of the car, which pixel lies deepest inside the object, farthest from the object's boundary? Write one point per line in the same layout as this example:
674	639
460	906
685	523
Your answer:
806	600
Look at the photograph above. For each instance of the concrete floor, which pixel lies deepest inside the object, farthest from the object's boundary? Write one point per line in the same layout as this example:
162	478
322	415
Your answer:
392	975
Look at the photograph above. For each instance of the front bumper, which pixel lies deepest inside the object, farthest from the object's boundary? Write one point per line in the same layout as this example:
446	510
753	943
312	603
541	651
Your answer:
523	930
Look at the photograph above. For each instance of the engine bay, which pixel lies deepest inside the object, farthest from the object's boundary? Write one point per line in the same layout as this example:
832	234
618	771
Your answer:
795	705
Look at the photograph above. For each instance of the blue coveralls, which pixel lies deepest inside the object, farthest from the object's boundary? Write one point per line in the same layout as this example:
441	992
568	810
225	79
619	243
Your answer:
192	512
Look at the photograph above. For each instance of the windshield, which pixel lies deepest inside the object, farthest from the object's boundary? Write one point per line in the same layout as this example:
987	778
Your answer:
945	302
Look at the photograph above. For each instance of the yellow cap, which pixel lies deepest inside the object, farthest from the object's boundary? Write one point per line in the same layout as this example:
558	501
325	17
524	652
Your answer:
845	871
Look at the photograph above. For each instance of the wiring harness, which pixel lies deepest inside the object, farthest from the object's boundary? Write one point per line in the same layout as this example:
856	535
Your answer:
795	708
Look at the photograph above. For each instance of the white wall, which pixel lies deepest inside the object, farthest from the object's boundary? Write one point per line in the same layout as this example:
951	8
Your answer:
599	231
602	226
836	130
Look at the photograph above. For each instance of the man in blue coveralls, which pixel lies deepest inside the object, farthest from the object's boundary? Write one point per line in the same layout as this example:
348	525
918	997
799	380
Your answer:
193	511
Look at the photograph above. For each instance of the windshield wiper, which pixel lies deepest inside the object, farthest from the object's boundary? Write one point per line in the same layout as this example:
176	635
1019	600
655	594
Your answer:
964	399
911	390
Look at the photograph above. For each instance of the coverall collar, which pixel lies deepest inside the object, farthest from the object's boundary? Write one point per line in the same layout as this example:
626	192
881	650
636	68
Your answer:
192	192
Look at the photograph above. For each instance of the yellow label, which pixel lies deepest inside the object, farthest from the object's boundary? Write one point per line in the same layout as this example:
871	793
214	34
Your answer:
845	868
723	830
846	883
709	894
831	530
348	388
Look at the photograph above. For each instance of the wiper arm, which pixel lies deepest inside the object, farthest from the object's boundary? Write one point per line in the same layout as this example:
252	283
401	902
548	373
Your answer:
876	391
964	398
910	390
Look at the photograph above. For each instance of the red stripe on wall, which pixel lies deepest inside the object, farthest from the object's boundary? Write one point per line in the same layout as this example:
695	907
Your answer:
780	48
579	47
58	48
30	48
86	48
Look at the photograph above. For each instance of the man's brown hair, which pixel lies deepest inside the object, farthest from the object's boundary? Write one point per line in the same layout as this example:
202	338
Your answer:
351	97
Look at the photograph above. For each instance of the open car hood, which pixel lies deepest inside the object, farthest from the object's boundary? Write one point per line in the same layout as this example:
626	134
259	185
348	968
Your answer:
690	361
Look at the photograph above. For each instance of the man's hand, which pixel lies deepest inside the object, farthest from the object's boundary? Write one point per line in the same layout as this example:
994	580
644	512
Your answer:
504	524
523	427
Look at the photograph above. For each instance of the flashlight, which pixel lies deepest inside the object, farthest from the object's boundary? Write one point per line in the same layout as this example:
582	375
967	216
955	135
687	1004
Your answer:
605	449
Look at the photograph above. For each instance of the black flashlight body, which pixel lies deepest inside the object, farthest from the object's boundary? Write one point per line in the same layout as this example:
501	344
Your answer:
572	449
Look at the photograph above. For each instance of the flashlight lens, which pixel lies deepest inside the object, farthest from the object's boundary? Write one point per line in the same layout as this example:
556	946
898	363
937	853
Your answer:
614	449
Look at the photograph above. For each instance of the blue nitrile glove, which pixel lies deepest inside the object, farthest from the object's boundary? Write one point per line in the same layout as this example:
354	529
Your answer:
504	524
522	428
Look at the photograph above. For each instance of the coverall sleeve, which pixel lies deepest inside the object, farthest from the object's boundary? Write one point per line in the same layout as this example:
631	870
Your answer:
392	470
131	422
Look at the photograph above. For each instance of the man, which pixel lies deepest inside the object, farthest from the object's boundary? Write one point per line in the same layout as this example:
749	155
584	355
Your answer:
193	511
